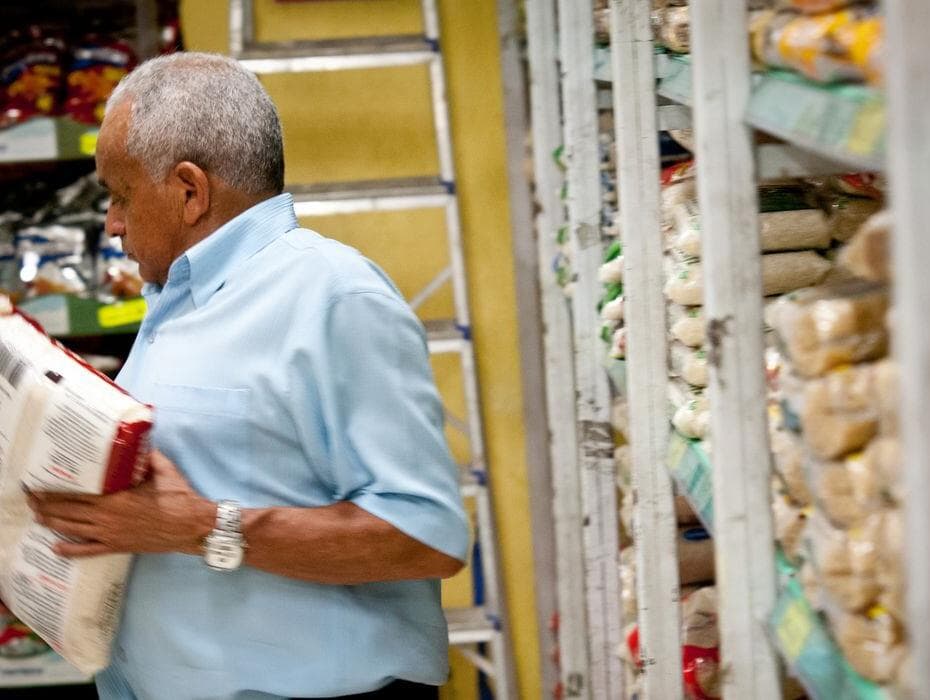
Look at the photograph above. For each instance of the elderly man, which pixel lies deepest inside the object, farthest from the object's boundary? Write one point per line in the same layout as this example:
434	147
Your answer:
303	504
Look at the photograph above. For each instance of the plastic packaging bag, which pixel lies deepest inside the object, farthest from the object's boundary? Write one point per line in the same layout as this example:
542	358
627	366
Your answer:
831	325
872	642
789	520
840	413
700	641
846	561
98	66
690	410
695	555
781	272
63	427
686	325
868	253
832	488
690	364
30	76
847	214
788	458
800	229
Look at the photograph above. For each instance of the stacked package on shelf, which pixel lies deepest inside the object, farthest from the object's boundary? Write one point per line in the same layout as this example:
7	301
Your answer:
54	242
823	40
793	232
835	447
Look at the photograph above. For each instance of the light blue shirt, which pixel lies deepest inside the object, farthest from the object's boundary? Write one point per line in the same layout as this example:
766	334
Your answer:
286	370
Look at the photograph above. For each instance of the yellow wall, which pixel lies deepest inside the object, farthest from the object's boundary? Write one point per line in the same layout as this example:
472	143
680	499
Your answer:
376	124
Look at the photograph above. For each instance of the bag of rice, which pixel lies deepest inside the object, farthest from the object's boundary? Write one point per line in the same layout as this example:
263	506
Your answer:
63	427
781	272
801	229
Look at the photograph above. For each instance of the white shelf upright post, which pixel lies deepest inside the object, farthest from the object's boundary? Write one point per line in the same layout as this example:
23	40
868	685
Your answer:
654	521
597	469
572	630
908	89
728	199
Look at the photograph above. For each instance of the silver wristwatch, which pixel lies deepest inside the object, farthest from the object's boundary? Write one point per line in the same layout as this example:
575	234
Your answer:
224	548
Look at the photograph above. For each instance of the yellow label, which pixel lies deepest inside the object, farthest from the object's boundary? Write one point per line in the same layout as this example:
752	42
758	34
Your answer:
867	129
676	451
121	314
87	143
794	629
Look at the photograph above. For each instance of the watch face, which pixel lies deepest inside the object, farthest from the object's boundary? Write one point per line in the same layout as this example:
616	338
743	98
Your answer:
223	551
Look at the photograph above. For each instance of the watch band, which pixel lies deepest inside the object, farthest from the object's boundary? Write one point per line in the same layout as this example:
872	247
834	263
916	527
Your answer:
229	517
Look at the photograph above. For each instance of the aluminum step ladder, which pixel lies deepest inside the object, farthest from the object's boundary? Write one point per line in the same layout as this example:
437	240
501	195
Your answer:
479	633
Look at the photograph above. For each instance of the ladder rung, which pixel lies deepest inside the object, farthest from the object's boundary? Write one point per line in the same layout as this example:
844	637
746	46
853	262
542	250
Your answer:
469	626
338	54
444	336
370	195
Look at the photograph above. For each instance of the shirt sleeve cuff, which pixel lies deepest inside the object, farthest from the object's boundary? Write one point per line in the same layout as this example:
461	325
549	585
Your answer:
441	528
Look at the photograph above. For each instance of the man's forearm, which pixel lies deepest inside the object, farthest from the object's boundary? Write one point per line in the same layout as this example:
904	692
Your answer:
336	544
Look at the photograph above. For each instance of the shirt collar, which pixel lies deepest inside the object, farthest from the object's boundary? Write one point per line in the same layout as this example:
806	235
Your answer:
208	263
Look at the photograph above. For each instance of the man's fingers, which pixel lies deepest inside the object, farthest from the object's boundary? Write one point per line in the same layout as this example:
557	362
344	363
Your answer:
82	549
64	510
69	528
165	473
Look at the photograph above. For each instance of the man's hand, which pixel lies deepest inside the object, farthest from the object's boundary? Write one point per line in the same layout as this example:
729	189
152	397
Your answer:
164	514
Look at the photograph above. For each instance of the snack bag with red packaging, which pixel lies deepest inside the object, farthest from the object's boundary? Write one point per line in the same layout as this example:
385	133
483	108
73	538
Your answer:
63	427
31	65
98	65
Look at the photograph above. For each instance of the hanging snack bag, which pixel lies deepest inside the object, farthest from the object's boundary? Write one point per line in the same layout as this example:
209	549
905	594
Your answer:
98	65
30	76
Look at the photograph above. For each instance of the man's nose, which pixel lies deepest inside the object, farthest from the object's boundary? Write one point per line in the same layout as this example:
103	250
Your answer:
115	225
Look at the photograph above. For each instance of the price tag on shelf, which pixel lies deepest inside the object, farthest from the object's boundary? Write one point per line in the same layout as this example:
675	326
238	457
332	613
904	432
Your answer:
121	314
32	140
794	628
87	142
868	129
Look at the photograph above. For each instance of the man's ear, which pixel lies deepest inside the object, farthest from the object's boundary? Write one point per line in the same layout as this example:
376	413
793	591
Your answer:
195	188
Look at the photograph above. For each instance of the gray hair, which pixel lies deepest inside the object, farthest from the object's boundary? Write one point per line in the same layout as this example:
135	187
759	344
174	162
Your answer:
206	109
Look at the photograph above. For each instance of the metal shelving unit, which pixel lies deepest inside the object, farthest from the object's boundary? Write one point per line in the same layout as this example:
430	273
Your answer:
823	130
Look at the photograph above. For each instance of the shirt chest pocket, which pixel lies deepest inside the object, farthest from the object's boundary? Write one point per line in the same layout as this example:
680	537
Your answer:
208	432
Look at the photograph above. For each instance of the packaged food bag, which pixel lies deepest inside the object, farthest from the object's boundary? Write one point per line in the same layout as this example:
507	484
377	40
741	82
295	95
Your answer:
687	325
840	413
63	428
831	325
868	253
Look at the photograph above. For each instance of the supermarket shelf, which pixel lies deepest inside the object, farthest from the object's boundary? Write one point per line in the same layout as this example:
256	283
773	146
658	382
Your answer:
69	316
690	466
844	124
41	669
810	653
46	139
371	195
338	54
470	626
841	122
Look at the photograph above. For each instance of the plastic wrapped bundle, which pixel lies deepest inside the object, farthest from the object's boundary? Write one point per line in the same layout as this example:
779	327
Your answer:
847	214
832	325
789	520
700	641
